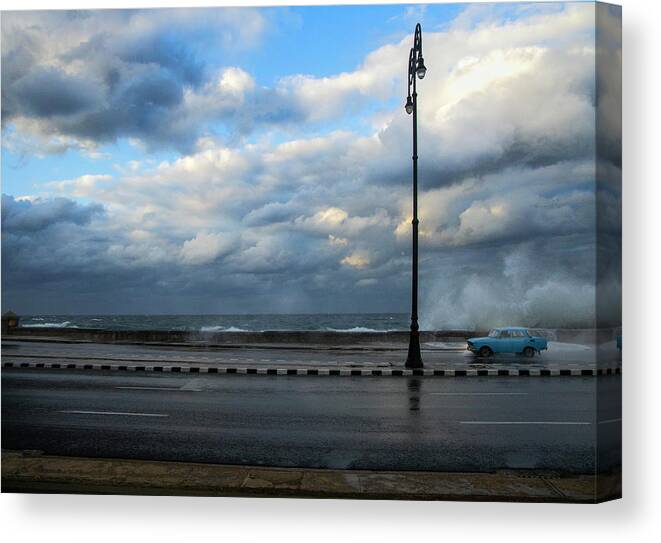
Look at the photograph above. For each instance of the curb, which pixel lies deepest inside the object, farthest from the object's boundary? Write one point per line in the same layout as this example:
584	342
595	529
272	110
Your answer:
344	372
25	471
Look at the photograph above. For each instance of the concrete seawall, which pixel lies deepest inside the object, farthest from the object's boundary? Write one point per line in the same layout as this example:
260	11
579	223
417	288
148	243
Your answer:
585	336
221	338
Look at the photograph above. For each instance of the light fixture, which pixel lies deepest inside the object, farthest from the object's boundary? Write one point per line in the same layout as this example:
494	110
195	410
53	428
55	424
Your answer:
421	70
409	105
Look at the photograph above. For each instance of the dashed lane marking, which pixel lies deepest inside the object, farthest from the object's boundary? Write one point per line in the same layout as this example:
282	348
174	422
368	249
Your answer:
123	414
479	393
162	388
521	422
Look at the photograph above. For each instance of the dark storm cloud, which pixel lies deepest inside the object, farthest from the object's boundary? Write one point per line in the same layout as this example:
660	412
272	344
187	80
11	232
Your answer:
140	107
165	50
123	101
99	77
50	250
272	213
46	92
55	259
522	153
24	216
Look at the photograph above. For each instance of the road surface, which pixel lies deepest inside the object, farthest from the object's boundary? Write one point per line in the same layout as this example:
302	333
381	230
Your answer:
433	356
414	423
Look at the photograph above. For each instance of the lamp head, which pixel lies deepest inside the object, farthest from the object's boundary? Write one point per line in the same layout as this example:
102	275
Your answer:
421	70
409	105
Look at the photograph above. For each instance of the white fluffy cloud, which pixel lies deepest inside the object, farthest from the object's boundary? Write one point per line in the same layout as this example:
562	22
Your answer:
205	247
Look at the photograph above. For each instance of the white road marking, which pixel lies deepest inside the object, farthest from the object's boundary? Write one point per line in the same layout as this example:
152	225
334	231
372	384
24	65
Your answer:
161	388
478	393
523	422
79	412
609	421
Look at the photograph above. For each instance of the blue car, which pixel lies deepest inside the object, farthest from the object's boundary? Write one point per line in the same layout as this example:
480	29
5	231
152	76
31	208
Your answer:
513	339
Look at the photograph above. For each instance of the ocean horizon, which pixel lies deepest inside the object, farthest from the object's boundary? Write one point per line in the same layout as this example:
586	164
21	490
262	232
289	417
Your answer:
330	322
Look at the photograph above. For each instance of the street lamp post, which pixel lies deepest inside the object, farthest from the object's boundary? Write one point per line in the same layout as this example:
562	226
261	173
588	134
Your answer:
416	67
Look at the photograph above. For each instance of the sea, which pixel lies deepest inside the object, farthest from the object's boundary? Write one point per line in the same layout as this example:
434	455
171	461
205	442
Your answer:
337	322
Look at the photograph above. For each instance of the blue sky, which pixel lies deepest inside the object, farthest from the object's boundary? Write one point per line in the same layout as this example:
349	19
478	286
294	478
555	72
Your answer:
258	160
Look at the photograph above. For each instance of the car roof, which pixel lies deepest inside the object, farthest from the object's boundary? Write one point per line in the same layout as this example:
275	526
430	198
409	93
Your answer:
511	328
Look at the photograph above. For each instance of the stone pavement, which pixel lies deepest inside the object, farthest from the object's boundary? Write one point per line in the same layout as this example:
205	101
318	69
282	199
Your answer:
32	472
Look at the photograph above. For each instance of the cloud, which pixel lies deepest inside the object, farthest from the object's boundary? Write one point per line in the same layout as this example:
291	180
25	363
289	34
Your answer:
48	92
357	259
97	76
20	216
205	247
80	187
514	204
337	241
495	94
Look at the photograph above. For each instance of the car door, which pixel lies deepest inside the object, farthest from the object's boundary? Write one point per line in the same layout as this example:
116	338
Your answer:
503	343
519	341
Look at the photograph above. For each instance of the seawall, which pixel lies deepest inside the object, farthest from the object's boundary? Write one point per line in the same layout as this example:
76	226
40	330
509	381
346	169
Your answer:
584	336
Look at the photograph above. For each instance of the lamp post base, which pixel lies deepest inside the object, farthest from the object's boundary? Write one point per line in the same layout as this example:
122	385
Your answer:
414	360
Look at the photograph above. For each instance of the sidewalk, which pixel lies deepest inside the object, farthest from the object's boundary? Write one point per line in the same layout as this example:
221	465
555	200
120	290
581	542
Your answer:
25	472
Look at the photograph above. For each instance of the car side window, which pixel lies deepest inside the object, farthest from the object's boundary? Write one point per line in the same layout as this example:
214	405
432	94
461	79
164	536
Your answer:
518	333
505	333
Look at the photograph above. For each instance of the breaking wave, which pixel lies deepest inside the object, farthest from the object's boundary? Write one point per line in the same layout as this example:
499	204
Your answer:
222	329
65	324
355	329
519	290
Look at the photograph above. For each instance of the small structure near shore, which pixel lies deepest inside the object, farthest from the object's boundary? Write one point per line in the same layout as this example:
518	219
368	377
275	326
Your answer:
9	320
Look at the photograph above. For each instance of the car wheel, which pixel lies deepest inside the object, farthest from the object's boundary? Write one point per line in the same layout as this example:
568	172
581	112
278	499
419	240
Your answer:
529	352
485	351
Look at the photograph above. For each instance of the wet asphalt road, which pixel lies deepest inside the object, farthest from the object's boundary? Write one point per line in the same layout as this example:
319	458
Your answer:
450	424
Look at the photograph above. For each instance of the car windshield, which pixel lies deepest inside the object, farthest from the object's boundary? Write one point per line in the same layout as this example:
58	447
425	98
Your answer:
494	333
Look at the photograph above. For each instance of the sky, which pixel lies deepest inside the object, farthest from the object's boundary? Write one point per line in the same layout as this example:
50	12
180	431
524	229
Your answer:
245	160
